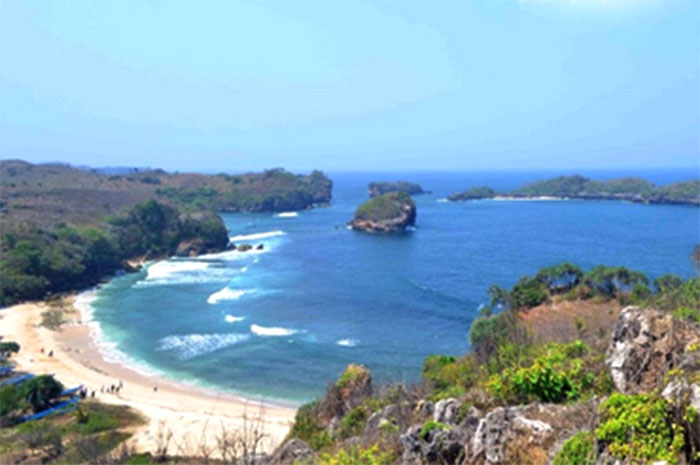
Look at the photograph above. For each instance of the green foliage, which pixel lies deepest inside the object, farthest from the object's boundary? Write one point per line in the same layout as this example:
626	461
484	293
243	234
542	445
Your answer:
95	420
40	391
577	450
429	427
379	188
685	313
356	455
561	278
475	193
556	375
528	292
449	376
9	347
488	333
684	296
668	283
638	428
352	422
12	399
609	282
383	207
308	427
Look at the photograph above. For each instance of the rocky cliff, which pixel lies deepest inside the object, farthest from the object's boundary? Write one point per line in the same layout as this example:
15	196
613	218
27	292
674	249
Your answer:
646	410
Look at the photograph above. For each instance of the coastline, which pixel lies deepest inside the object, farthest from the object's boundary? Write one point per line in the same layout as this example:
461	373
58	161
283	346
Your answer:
195	415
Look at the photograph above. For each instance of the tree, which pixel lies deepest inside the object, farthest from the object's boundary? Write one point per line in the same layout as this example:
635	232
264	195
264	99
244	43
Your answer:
667	282
528	292
9	347
560	278
609	282
39	391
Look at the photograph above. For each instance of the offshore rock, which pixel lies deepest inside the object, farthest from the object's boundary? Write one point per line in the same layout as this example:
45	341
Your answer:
392	212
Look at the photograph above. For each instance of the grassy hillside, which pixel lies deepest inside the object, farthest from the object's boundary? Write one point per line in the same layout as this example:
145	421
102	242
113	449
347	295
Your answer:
65	228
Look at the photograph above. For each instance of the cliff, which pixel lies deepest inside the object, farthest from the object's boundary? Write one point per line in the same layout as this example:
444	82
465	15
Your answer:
379	188
392	212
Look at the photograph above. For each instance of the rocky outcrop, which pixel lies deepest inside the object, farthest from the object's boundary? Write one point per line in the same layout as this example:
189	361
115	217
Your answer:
393	212
646	345
379	188
293	452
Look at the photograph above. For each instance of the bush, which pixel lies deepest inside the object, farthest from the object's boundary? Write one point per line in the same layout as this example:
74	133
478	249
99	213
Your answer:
352	422
11	400
40	391
554	376
358	456
577	450
308	428
448	376
431	426
638	428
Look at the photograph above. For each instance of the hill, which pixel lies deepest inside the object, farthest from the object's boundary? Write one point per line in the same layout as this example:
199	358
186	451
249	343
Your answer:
578	187
65	228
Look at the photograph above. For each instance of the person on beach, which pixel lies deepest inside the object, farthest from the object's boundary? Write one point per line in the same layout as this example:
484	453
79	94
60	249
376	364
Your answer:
92	394
155	388
51	353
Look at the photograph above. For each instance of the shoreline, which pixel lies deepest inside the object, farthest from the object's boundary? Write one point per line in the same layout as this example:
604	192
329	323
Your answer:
195	415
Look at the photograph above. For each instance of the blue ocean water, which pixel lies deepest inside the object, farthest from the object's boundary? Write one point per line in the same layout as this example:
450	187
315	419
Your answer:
282	322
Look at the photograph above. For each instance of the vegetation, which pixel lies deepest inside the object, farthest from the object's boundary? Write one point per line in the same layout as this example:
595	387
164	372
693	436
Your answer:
430	426
358	456
579	187
578	450
638	427
384	207
66	229
379	188
475	193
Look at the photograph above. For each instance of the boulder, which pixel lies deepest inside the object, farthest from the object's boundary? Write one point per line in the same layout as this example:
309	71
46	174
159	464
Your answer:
244	247
447	411
293	452
646	345
526	435
260	247
190	248
355	384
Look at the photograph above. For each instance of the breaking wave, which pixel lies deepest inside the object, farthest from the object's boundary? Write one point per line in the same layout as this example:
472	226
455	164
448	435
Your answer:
256	236
228	294
192	345
287	215
233	319
347	342
264	331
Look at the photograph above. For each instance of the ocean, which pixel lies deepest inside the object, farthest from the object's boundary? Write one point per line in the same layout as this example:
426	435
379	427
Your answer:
282	322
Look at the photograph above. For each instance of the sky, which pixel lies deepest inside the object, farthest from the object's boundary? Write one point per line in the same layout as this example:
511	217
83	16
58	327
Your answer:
352	85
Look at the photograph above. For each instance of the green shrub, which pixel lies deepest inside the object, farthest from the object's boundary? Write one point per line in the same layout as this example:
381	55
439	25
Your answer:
352	422
449	376
555	376
577	450
95	421
429	427
308	428
358	456
638	428
11	400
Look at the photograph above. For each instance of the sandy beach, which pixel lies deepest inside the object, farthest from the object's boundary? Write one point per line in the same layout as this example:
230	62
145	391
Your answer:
195	416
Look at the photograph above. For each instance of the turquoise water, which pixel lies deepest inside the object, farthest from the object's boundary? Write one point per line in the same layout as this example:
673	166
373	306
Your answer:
282	322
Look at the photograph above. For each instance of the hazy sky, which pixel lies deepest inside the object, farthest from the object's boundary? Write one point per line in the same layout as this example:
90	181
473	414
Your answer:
230	86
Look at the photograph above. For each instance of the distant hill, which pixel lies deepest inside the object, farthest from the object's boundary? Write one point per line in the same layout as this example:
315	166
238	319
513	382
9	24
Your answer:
47	194
65	228
579	187
379	188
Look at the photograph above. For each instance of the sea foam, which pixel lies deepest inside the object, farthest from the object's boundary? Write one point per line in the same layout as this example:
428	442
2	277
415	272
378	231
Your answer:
228	294
256	236
347	342
264	331
233	319
192	345
287	215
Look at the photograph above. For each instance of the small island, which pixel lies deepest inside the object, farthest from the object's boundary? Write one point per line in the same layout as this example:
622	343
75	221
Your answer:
384	187
581	188
387	213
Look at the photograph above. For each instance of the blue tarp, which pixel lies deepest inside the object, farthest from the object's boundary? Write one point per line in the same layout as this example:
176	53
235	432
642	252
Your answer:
71	391
55	409
6	370
20	380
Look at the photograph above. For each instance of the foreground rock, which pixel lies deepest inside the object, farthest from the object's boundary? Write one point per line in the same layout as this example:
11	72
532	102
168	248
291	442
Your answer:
393	212
379	188
646	345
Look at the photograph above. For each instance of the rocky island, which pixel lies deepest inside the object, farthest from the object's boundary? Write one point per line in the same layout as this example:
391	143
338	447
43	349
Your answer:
392	212
379	188
581	188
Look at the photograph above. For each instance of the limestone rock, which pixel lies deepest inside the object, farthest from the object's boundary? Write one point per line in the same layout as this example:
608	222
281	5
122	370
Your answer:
647	344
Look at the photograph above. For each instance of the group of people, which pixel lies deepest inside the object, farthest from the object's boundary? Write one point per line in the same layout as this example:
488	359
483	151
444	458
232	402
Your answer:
50	352
112	388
